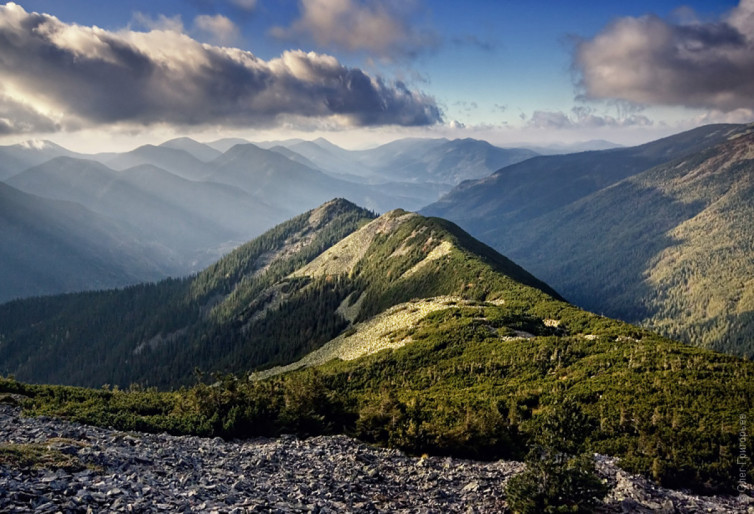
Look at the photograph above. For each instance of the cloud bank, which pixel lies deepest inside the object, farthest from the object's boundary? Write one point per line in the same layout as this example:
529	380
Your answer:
70	76
651	61
585	117
383	28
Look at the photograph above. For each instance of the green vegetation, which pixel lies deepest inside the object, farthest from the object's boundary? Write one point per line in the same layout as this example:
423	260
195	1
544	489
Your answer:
464	387
658	235
559	475
224	319
35	456
669	248
484	376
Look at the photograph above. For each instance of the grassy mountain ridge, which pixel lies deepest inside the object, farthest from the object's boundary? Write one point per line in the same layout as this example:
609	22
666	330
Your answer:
232	316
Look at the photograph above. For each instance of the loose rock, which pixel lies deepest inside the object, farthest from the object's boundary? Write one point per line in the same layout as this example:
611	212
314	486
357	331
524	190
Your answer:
163	473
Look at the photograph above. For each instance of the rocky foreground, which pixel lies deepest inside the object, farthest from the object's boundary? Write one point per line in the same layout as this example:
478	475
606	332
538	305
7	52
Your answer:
87	469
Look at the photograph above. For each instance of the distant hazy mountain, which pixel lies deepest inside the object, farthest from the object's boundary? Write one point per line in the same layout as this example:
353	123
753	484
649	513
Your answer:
51	247
411	160
668	246
177	161
228	207
586	146
225	144
441	161
290	185
297	157
331	158
203	152
193	221
16	158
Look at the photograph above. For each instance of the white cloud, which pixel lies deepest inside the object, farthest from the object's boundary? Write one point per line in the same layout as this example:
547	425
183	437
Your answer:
651	61
90	76
382	27
583	117
218	29
162	22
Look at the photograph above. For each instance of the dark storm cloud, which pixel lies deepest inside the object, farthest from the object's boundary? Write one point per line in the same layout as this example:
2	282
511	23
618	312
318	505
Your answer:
92	76
650	61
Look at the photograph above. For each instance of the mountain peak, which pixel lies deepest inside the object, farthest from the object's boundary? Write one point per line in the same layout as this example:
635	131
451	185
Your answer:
40	144
332	208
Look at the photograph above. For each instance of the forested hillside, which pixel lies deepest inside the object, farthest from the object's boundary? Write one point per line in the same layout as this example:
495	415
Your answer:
668	247
158	333
268	303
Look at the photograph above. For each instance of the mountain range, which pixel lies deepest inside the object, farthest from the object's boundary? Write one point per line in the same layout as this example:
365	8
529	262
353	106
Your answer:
401	330
659	234
183	204
616	231
51	245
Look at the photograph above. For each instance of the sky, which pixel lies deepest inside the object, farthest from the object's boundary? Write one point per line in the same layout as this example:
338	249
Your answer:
102	76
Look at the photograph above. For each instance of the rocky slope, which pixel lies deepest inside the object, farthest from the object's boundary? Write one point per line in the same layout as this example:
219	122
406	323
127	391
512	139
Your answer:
107	470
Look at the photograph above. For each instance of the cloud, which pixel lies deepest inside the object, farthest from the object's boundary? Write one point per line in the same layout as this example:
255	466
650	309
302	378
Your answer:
19	118
218	29
651	61
582	117
383	28
162	22
215	29
87	76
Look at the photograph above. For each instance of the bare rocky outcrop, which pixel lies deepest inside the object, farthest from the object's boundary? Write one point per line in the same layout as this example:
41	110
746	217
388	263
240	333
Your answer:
135	472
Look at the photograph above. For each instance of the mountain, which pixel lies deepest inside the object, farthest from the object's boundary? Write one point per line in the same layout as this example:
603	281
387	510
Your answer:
410	160
203	152
191	221
177	161
656	234
52	247
179	323
225	144
331	158
227	207
440	160
290	154
585	146
16	158
411	334
230	316
290	185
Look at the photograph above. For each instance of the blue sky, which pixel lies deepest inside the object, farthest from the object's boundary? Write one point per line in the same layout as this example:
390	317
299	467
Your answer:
506	71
